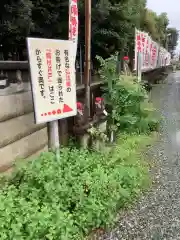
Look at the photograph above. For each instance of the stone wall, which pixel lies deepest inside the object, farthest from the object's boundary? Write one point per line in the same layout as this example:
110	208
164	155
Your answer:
20	137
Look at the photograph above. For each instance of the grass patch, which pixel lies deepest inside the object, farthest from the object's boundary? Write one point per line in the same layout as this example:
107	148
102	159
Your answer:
46	199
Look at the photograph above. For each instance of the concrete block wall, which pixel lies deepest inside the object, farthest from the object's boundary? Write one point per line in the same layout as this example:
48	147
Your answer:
20	137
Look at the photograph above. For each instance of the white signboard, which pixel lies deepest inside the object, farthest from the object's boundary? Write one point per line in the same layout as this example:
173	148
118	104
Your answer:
53	79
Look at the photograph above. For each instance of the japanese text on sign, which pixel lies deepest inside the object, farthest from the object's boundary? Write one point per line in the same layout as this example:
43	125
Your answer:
73	26
59	74
153	55
73	15
68	77
40	73
53	79
50	83
138	39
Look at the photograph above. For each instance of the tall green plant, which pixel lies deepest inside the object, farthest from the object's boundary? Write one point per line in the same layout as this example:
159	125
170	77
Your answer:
126	100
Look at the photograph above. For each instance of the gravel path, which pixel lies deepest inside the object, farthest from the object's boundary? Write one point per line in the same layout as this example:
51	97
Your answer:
157	215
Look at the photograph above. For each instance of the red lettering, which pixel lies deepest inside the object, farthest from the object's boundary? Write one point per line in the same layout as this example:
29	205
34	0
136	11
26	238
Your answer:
48	55
68	77
49	63
74	10
138	38
74	31
73	21
50	71
68	84
70	32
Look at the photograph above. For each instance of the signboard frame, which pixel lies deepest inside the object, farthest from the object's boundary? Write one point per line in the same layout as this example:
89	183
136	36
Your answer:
72	94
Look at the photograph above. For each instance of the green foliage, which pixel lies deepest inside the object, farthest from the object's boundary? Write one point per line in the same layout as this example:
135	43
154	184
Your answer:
15	24
155	25
50	18
113	24
126	100
96	133
66	199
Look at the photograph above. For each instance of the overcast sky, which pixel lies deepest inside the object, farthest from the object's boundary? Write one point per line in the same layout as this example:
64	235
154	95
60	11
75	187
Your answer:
171	7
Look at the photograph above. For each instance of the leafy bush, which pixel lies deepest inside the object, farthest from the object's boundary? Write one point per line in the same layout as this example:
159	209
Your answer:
126	100
64	200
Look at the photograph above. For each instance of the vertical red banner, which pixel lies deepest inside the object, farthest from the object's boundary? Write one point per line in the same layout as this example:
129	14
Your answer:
73	25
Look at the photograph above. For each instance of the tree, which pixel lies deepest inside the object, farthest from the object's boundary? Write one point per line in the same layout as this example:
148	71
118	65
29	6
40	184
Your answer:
50	18
113	24
161	28
155	25
16	23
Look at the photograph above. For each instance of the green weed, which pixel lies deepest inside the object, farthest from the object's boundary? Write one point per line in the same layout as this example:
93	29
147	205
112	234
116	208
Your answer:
66	199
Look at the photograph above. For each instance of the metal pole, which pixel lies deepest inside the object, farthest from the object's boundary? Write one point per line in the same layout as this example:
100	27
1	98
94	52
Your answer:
81	65
87	56
139	67
53	138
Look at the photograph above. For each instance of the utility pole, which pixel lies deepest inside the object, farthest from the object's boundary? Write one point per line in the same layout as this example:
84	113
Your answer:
87	56
167	40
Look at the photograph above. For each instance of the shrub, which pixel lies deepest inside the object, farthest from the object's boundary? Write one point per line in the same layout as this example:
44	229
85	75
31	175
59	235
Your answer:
126	100
60	200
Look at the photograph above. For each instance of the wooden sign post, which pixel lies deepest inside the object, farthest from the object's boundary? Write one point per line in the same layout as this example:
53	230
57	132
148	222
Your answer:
53	83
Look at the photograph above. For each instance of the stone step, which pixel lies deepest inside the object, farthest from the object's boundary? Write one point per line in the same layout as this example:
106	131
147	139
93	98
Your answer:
15	105
17	128
7	172
22	148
